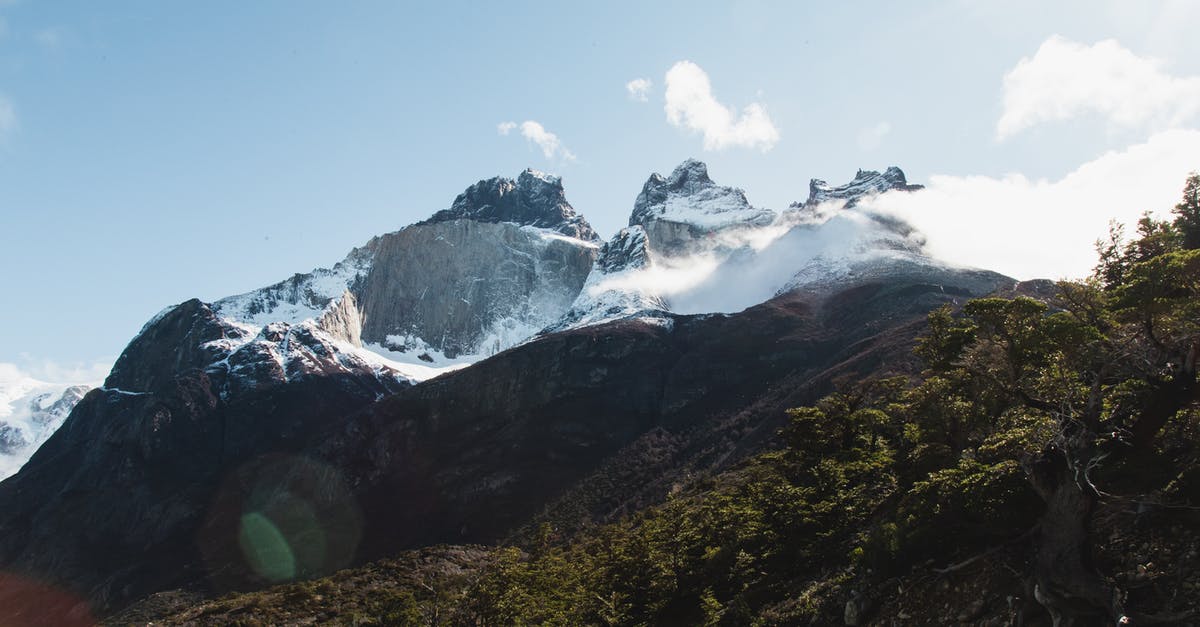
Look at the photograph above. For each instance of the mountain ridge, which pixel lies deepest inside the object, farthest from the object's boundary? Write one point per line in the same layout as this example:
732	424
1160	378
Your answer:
295	383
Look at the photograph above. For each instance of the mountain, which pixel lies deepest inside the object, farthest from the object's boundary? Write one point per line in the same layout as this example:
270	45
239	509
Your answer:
866	183
693	246
296	429
30	411
506	259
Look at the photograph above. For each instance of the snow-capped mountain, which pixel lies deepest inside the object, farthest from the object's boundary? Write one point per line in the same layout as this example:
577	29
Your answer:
693	246
866	183
504	261
30	411
683	211
318	392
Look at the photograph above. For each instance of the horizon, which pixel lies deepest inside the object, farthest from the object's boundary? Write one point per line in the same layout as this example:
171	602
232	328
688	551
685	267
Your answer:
148	156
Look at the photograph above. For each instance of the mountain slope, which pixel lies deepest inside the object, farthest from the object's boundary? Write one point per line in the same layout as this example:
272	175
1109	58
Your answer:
295	429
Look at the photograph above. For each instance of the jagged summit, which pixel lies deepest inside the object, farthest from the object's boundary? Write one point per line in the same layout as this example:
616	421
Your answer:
627	249
687	206
865	183
534	199
689	178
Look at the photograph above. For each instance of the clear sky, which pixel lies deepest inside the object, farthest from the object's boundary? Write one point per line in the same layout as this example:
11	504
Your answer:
155	151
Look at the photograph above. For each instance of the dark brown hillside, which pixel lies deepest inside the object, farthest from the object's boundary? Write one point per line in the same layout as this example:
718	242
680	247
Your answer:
579	425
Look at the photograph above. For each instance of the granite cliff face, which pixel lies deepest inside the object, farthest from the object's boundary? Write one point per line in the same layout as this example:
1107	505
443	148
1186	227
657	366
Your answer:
506	259
466	287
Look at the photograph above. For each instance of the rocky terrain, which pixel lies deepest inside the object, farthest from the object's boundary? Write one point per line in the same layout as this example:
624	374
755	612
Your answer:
294	430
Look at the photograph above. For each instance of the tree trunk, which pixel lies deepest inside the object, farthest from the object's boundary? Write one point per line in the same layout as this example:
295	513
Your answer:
1068	584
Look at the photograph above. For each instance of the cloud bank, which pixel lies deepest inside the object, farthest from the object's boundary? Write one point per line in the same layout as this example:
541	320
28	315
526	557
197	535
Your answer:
537	134
690	105
1065	79
1041	228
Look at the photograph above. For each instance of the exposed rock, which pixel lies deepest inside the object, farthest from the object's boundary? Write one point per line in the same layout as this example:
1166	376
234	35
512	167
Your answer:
463	286
110	507
534	199
267	404
182	338
12	439
866	183
627	250
508	258
343	321
688	206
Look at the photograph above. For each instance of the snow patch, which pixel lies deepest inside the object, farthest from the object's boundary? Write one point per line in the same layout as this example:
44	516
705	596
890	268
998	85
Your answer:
31	410
302	297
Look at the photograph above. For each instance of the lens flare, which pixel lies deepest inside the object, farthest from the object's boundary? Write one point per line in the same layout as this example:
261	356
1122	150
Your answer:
266	549
280	518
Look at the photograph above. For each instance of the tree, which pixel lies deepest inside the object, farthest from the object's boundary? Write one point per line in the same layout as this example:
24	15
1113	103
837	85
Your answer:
1109	369
1187	213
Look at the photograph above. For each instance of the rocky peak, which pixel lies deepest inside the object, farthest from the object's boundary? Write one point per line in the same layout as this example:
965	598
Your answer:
534	199
175	341
688	179
865	183
628	249
687	205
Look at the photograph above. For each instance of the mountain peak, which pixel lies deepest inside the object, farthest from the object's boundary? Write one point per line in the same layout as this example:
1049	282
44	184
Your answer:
531	177
691	171
865	183
534	199
689	196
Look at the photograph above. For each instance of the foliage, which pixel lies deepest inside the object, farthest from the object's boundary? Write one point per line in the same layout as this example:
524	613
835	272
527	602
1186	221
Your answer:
873	478
1098	385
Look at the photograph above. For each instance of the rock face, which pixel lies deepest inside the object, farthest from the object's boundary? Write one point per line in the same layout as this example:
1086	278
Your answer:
114	503
506	259
694	246
463	286
866	183
535	199
12	440
681	210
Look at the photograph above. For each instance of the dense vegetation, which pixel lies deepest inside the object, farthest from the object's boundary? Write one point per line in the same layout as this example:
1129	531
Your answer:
1044	451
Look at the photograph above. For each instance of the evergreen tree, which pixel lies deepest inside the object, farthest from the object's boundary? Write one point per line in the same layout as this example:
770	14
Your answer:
1187	213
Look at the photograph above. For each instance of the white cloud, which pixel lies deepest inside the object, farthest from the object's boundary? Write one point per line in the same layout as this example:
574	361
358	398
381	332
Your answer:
870	138
1065	79
1047	229
537	134
639	89
8	116
691	105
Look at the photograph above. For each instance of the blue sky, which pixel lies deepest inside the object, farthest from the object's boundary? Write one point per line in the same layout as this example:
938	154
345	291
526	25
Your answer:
151	152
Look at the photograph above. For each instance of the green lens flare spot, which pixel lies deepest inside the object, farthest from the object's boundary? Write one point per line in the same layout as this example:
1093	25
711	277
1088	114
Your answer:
266	549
